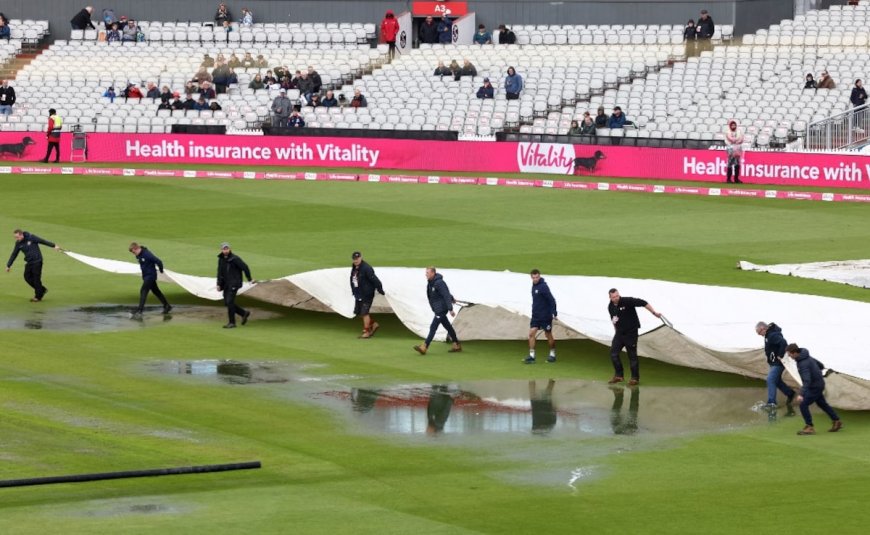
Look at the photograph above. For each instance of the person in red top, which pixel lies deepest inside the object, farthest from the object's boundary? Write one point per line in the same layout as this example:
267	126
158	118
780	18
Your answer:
53	135
389	31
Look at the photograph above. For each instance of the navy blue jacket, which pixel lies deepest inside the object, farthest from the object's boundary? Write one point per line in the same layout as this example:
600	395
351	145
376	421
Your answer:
366	282
774	344
149	264
543	302
625	311
810	371
30	246
439	296
229	272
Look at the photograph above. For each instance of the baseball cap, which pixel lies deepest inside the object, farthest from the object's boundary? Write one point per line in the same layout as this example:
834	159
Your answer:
225	245
355	255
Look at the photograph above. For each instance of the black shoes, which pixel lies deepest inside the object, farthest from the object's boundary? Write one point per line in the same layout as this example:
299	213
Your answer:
245	317
230	326
167	309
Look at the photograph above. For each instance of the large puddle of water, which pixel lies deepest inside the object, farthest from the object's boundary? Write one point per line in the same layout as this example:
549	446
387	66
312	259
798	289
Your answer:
105	318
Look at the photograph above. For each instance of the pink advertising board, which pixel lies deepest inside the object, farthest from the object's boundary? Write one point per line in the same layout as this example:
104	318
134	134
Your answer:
578	161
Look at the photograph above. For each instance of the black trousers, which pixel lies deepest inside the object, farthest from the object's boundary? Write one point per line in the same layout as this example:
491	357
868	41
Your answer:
441	319
53	145
232	307
628	340
150	285
33	277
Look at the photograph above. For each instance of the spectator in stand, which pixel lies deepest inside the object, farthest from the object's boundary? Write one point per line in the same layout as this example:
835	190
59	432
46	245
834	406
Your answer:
5	32
164	105
220	76
358	100
617	119
113	35
202	75
228	27
513	84
304	85
281	108
207	62
587	126
248	61
445	31
232	78
486	90
214	106
82	20
269	79
7	98
256	83
690	36
201	104
506	36
442	70
153	92
281	72
206	90
222	15
110	94
316	80
234	62
287	83
705	27
342	101
455	69
601	118
859	94
575	129
811	82
482	37
189	102
428	32
261	63
734	149
468	68
295	120
132	91
389	31
129	32
165	94
177	103
314	102
826	82
191	87
247	17
329	101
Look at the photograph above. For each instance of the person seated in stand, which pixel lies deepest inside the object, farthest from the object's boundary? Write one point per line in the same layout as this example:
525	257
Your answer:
165	94
164	105
191	87
201	104
207	62
222	15
575	129
113	35
617	119
247	17
342	101
601	118
826	82
305	85
811	82
486	90
295	120
5	30
128	34
110	94
315	78
257	83
132	91
455	69
189	102
177	103
482	37
261	62
468	69
442	70
314	101
248	62
234	62
201	75
587	126
358	100
207	90
269	79
214	106
505	35
329	100
228	27
287	84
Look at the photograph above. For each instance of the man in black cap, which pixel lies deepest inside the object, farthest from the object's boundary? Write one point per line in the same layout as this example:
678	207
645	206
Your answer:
363	283
229	281
149	264
626	325
29	244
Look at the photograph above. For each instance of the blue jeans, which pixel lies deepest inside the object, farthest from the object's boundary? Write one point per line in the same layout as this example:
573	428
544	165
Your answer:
5	109
774	381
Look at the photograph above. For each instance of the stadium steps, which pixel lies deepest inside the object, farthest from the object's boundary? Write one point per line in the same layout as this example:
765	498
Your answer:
10	69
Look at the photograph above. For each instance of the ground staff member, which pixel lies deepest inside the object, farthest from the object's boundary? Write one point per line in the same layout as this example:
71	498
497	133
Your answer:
543	314
774	350
626	324
441	303
229	281
29	244
149	264
813	390
363	283
55	123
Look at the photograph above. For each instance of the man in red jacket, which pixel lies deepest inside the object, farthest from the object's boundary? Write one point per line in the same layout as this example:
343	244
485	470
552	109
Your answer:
389	31
53	134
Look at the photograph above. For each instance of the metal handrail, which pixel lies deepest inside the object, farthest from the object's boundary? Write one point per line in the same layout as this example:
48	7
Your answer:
840	131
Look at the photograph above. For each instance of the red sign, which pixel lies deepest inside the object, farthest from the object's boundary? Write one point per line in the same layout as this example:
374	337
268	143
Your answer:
439	9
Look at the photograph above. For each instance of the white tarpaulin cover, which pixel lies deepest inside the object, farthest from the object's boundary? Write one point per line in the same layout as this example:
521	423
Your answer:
852	272
712	328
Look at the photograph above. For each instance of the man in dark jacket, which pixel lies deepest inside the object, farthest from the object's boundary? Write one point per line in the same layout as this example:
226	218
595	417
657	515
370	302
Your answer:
29	244
543	314
705	27
506	36
428	32
626	325
229	281
813	390
441	303
774	350
363	283
82	20
149	264
7	97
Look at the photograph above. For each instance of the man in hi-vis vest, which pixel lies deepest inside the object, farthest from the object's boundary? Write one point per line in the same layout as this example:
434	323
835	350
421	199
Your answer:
55	123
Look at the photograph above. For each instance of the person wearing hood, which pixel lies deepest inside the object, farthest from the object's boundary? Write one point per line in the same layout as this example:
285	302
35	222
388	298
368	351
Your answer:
601	118
363	284
389	31
811	82
774	350
441	303
813	389
445	31
543	315
513	84
734	148
229	281
486	90
149	264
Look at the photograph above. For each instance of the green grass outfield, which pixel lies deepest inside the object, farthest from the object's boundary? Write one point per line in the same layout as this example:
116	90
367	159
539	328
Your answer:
74	402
